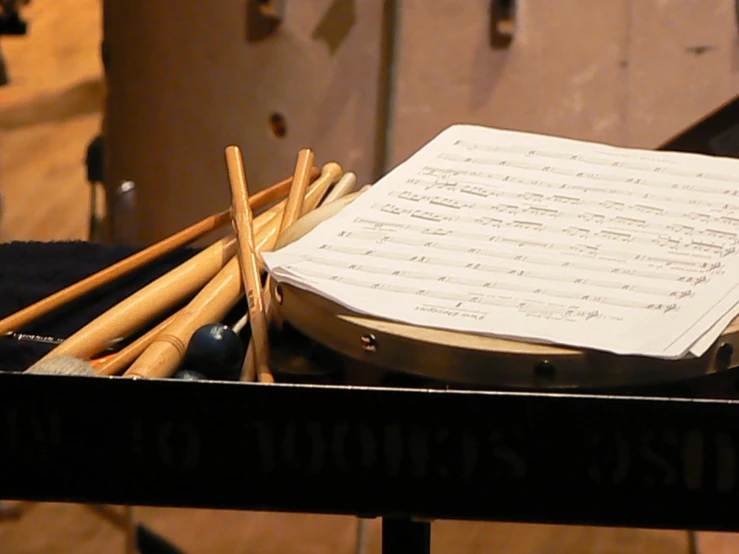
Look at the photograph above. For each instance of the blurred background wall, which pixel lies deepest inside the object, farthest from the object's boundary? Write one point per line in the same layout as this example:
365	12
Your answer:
363	82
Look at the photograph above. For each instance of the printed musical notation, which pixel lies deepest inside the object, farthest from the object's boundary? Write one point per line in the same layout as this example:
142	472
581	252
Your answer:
537	238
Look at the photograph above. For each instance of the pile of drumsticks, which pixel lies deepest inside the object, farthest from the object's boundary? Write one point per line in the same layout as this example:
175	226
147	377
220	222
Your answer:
214	280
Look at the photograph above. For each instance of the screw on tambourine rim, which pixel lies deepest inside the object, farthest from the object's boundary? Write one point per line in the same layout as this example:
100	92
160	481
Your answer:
545	370
369	342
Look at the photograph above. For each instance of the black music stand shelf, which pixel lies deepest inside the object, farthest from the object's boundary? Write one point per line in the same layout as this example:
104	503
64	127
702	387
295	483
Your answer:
408	456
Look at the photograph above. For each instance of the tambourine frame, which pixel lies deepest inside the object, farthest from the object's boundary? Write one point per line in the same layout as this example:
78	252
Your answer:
478	360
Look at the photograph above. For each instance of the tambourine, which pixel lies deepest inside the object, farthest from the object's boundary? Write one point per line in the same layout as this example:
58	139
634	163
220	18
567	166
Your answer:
383	346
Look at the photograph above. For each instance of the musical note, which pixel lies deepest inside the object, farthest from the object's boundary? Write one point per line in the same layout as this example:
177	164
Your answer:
476	190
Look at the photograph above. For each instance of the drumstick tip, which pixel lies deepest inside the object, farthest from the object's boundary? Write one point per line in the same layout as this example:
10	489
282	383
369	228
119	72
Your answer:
235	167
332	169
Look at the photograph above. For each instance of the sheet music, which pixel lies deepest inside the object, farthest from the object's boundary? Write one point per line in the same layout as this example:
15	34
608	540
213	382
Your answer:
540	239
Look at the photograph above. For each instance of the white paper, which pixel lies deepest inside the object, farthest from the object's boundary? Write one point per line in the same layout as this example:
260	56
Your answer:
540	239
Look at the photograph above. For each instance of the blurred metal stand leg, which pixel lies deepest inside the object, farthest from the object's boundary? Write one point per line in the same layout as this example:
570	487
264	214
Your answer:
360	541
95	164
122	222
4	79
692	542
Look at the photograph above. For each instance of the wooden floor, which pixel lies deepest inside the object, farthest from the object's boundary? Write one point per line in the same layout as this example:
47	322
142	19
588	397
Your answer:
48	114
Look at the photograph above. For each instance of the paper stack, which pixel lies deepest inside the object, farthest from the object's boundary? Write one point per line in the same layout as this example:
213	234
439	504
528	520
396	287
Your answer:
538	239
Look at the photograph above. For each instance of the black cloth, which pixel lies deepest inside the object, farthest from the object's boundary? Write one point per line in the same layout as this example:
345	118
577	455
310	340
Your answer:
30	271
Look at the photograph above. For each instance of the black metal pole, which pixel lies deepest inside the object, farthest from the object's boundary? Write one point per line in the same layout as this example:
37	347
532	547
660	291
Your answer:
405	536
4	77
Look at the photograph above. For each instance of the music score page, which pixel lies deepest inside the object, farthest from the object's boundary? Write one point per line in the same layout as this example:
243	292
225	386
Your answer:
539	239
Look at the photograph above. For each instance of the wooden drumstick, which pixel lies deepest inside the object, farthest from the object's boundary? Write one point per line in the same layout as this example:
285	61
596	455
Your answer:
330	173
163	355
346	185
298	188
25	316
293	209
242	221
114	364
240	324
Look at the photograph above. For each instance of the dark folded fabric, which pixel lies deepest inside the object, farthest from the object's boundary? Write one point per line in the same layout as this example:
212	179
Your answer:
30	271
